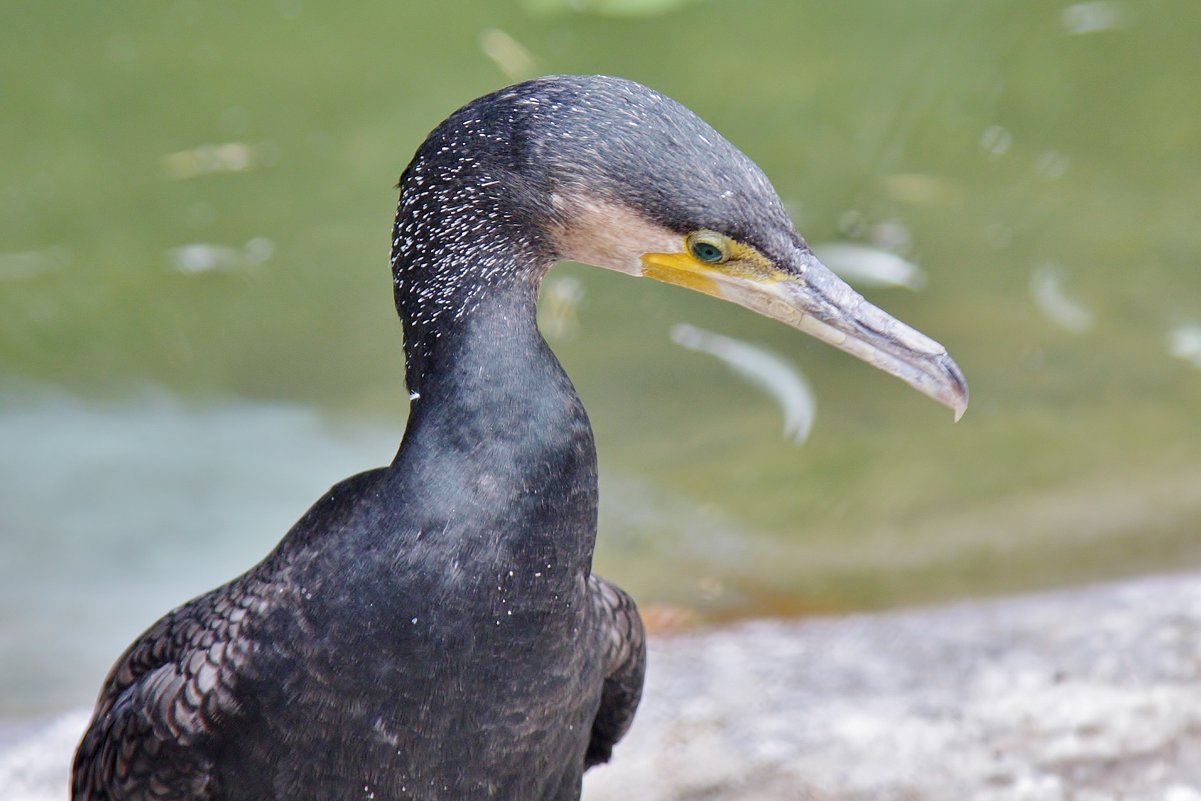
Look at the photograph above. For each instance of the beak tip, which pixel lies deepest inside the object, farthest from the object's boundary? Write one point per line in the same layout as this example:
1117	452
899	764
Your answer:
957	393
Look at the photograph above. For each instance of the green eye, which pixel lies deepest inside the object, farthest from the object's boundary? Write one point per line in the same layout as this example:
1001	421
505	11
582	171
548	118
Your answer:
708	250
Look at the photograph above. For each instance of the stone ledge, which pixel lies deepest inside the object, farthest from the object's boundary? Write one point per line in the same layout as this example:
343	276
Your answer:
1084	694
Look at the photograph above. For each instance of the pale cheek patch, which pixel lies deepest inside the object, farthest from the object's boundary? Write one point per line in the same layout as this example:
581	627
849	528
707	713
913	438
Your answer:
608	235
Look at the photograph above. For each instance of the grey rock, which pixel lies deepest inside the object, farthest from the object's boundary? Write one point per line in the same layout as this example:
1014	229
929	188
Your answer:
1090	695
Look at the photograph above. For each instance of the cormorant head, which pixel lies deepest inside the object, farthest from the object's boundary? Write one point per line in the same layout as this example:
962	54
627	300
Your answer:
607	172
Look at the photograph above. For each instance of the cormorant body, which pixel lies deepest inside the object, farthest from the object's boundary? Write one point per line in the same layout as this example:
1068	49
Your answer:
432	629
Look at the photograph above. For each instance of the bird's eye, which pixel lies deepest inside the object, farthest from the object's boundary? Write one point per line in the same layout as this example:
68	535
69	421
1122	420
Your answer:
706	251
708	246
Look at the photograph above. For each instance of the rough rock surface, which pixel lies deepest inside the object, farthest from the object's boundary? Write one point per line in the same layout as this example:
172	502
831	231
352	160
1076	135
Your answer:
1080	695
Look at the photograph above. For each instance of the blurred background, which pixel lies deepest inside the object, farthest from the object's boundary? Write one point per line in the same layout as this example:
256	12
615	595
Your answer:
197	335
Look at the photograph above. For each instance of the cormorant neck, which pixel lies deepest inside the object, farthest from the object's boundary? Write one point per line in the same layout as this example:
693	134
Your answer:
484	377
497	435
485	358
497	454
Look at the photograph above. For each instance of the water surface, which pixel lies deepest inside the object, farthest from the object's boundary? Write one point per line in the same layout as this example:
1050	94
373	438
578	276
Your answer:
196	332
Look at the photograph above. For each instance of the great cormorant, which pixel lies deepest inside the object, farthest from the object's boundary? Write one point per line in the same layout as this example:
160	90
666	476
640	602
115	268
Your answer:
433	629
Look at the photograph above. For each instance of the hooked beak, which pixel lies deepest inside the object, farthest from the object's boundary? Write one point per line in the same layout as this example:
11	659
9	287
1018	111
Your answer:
808	296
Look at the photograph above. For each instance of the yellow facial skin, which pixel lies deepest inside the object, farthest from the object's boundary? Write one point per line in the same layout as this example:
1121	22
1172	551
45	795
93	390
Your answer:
685	269
814	300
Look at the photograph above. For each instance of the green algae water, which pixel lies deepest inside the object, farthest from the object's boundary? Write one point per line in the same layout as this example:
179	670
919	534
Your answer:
197	334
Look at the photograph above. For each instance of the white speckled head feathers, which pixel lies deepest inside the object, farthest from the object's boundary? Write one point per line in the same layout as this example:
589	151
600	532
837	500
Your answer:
497	188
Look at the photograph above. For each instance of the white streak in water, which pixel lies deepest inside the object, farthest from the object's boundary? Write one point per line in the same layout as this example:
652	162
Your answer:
202	257
1184	342
16	265
225	157
768	371
557	315
865	265
1093	17
514	60
996	141
607	8
1046	287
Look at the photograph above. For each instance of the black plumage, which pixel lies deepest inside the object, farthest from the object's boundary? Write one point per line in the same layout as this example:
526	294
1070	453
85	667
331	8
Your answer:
432	629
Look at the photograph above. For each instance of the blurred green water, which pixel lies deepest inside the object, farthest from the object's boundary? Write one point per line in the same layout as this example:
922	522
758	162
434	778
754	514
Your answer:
1002	137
